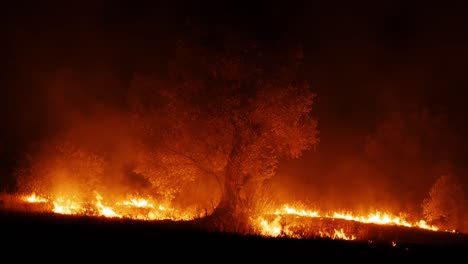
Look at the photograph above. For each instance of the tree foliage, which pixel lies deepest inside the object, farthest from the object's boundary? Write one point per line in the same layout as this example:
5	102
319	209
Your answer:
210	130
229	110
445	206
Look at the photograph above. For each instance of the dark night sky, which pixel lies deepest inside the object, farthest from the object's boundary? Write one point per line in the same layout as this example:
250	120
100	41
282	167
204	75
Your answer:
363	58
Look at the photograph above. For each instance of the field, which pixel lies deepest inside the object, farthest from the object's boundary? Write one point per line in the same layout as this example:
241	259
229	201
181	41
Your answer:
59	237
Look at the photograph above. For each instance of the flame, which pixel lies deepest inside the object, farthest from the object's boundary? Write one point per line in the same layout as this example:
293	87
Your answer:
373	218
146	208
104	210
339	234
33	198
138	202
279	227
134	207
66	206
273	228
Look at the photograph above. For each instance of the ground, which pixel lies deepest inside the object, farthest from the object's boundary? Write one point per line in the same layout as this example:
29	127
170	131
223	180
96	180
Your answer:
51	237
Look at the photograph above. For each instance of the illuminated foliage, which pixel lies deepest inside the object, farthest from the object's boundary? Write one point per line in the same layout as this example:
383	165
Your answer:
61	167
446	203
226	113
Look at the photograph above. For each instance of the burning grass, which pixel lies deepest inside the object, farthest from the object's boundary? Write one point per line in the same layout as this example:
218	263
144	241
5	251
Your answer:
47	232
284	222
292	222
134	207
288	233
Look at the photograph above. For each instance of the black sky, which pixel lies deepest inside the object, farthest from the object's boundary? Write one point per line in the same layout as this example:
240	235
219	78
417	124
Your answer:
364	59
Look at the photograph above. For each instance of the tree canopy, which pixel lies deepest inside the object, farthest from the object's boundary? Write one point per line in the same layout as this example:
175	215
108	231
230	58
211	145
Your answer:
207	132
445	206
228	110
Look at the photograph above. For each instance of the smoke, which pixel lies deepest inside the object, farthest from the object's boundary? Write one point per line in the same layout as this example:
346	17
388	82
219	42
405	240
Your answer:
388	161
92	139
84	136
389	107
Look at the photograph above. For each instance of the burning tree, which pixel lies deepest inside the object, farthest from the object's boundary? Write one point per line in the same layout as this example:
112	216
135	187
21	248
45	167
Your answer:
446	203
228	111
206	133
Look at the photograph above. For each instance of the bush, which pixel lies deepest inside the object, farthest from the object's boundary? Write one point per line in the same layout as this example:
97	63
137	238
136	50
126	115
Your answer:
446	203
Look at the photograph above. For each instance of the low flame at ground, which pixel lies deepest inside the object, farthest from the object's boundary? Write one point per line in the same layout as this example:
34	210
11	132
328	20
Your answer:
279	227
35	199
147	209
132	208
374	218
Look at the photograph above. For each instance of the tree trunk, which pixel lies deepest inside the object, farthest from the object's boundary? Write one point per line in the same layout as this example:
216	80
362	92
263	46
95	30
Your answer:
229	215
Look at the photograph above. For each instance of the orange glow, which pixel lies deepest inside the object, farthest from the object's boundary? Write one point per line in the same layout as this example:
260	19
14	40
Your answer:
66	206
273	228
286	221
281	225
373	218
33	198
132	208
137	202
104	210
337	234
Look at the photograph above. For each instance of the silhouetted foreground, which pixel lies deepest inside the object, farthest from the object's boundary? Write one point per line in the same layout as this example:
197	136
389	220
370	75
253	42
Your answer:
59	237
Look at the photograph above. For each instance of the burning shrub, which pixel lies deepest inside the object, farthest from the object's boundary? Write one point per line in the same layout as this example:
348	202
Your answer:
60	167
445	205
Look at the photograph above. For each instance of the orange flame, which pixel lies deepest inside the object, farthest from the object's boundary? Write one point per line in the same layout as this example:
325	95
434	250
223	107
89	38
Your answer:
374	218
132	208
33	198
135	207
66	206
279	227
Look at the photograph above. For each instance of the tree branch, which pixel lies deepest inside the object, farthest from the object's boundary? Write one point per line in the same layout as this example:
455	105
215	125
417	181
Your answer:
197	164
